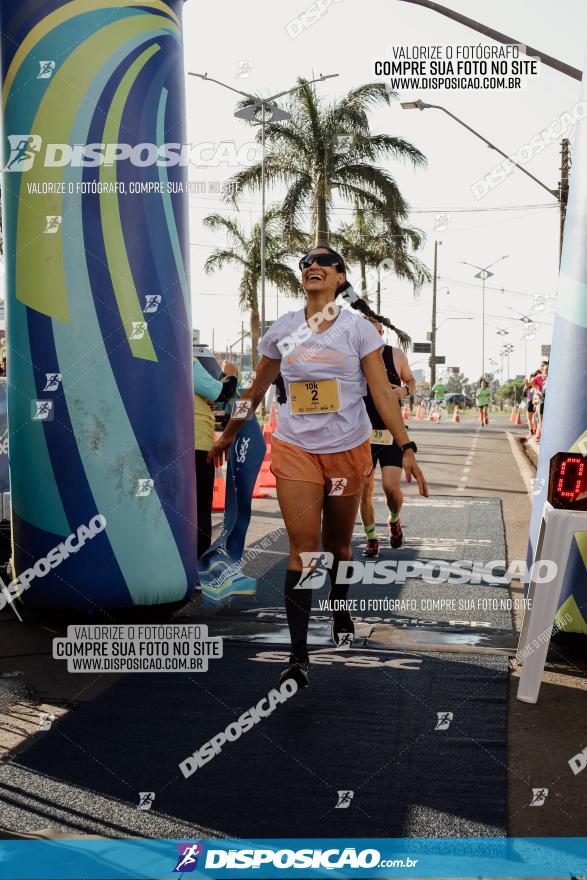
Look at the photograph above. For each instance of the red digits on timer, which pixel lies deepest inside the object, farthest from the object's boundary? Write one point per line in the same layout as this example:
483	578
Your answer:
571	478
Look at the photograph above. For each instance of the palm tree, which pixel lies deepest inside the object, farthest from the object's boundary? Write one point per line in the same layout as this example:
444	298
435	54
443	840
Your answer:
369	242
327	149
244	251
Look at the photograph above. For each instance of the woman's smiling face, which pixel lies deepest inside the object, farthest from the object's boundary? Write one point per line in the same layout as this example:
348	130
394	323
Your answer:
321	279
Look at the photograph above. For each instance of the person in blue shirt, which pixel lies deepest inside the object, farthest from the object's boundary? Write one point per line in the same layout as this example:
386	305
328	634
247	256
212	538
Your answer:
206	390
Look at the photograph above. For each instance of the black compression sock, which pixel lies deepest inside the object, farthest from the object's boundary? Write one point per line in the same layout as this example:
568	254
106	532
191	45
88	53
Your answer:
341	617
338	592
297	606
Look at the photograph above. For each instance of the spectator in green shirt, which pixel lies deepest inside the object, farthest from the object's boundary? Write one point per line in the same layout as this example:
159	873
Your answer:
439	390
483	397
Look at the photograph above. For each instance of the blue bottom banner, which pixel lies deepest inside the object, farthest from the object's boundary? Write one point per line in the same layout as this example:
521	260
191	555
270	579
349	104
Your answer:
341	858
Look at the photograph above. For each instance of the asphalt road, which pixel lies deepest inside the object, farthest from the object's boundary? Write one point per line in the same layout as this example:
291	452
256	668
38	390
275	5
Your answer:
460	462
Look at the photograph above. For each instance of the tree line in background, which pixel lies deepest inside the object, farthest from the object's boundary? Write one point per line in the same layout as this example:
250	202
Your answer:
509	392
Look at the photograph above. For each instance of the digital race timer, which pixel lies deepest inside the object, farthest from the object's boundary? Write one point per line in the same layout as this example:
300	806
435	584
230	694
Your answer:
567	484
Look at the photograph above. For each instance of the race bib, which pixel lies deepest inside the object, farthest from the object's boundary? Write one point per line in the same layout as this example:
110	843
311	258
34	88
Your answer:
314	397
381	437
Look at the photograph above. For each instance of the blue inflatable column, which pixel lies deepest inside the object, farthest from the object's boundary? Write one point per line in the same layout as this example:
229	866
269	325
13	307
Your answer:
565	410
100	400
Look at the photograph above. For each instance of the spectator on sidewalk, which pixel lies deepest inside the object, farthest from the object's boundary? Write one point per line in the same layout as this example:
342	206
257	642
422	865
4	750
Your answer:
540	392
527	395
206	390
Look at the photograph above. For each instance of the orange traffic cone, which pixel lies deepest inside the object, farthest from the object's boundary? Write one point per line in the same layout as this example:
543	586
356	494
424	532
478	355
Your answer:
257	490
456	416
219	492
267	434
419	413
272	424
266	478
406	412
518	417
513	414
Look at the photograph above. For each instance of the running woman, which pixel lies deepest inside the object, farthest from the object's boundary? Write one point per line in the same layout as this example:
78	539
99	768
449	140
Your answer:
321	454
385	451
483	398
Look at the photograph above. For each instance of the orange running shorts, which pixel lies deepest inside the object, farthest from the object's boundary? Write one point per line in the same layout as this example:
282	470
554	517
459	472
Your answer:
341	473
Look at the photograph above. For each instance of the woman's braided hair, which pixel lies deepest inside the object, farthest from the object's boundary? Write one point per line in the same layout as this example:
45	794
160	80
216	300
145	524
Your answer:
403	338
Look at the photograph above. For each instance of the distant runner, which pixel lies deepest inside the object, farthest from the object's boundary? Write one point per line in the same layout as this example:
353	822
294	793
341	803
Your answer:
389	455
483	398
439	392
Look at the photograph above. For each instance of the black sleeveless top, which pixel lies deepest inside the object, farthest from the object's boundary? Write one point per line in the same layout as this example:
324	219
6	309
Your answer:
394	379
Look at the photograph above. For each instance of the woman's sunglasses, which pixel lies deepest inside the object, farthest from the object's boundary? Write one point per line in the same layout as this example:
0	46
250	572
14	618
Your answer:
321	259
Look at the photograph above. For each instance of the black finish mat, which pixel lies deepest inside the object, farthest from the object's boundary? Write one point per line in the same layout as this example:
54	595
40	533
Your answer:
445	529
367	725
371	722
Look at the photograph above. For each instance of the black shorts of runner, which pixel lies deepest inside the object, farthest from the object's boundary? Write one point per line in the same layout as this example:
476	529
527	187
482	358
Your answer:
483	405
387	454
530	406
541	407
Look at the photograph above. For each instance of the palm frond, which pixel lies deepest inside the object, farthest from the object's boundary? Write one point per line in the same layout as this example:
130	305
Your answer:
220	258
217	222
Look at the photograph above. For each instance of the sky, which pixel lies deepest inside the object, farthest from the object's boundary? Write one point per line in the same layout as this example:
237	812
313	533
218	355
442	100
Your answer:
517	218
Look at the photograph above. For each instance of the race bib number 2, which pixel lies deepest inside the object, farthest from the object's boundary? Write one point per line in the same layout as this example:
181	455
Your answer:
314	397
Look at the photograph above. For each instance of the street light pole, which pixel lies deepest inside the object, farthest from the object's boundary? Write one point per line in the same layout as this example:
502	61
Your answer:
483	277
508	348
242	344
483	274
263	255
561	66
433	334
268	113
422	105
530	324
501	332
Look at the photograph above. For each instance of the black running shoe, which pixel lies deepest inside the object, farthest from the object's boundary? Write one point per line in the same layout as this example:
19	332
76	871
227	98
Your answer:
343	630
298	670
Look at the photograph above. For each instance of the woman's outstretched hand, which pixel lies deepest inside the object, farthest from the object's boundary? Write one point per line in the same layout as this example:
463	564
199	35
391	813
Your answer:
412	469
220	451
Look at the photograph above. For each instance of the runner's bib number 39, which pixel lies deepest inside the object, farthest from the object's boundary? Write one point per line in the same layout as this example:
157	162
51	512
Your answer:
381	437
314	397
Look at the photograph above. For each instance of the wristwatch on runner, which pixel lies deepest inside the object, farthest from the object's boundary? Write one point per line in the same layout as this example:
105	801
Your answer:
410	445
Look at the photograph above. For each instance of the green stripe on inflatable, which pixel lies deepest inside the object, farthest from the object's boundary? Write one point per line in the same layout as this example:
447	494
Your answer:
113	469
168	207
63	16
39	253
125	291
577	623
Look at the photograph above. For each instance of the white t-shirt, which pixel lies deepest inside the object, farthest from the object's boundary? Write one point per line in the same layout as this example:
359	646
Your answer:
333	354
